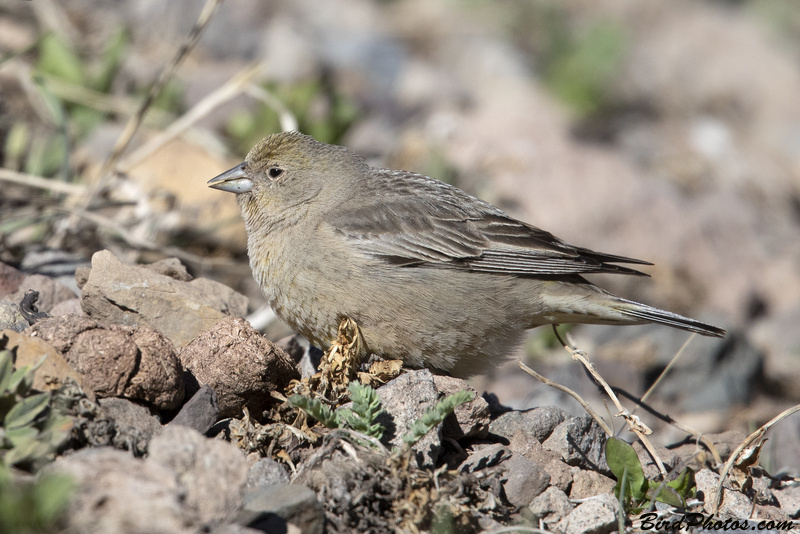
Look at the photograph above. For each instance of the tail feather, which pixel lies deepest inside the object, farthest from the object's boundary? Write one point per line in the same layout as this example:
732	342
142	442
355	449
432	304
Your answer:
648	313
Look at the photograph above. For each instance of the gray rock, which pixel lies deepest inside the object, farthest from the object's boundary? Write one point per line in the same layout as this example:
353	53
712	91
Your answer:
211	474
200	412
405	399
525	479
537	422
135	295
734	503
266	472
10	317
551	506
270	508
789	499
67	307
239	364
131	420
595	516
116	492
468	420
486	457
303	353
580	441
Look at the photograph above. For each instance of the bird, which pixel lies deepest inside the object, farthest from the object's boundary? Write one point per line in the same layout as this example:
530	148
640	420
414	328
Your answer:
431	275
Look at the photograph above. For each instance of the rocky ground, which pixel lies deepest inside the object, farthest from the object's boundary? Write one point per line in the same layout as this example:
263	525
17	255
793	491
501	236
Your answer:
666	131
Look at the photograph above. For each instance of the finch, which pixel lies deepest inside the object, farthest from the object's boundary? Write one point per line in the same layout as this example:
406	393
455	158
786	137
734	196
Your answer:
430	274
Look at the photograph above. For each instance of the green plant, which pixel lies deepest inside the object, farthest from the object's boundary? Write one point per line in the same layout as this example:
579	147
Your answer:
32	506
31	431
362	417
436	415
635	491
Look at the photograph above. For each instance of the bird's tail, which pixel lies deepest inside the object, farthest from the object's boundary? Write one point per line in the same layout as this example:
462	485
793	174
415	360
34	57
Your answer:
647	313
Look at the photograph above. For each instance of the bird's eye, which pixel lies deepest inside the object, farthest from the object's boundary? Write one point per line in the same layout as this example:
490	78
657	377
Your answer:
274	172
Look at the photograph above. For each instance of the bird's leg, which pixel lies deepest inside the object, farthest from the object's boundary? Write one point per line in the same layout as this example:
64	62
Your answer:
340	363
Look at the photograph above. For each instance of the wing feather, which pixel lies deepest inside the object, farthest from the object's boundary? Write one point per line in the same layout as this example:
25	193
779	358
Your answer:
426	223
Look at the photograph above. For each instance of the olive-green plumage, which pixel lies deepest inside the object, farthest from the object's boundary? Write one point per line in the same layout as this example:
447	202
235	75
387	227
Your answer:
430	274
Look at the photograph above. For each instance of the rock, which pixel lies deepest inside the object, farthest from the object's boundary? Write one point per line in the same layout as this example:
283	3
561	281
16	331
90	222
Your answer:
171	267
405	399
561	474
116	360
116	492
789	499
10	280
270	508
53	371
589	484
525	444
468	420
138	296
734	503
487	457
266	472
580	441
210	473
551	506
304	354
67	307
595	516
525	479
200	412
11	318
537	422
240	365
130	418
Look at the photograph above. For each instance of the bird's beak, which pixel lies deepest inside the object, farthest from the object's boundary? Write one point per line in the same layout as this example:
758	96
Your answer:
234	180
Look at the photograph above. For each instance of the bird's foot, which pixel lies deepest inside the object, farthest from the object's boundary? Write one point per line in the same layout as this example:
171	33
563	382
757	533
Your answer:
340	363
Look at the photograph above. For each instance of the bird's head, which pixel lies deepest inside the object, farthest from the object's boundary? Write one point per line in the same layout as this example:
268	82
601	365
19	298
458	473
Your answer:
287	170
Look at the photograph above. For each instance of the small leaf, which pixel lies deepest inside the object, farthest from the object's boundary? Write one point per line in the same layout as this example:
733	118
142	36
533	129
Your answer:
57	58
622	458
26	411
6	371
27	452
315	409
19	437
684	484
666	494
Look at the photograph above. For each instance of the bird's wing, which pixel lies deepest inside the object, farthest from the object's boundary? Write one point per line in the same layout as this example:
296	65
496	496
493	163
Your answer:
446	228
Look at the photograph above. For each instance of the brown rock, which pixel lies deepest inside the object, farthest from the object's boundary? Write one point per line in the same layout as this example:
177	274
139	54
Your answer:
51	374
10	279
116	360
239	364
589	484
138	296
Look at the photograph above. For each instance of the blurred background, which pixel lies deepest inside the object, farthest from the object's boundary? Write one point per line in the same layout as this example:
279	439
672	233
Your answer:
666	131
